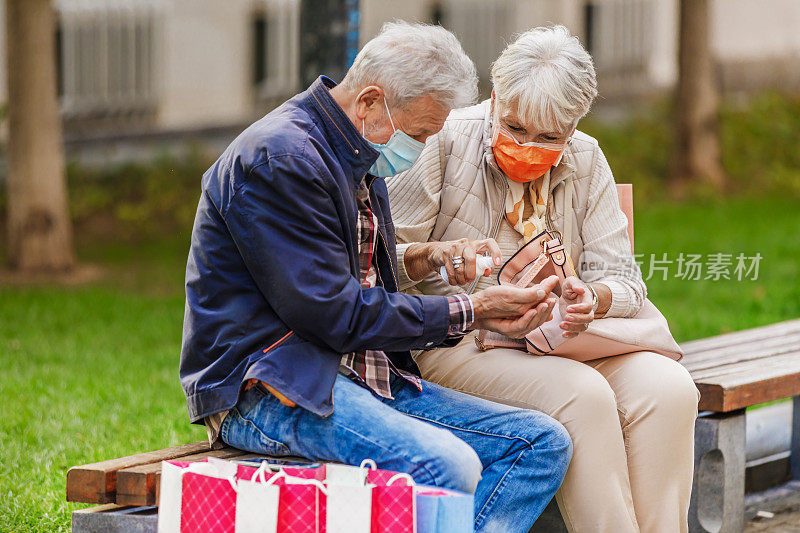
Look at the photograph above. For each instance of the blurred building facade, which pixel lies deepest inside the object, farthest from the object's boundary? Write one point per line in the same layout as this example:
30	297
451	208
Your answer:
174	65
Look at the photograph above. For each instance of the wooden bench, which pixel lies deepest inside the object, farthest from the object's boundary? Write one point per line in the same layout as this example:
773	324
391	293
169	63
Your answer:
732	371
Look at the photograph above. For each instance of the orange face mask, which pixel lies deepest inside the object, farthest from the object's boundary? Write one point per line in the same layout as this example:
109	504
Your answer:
523	162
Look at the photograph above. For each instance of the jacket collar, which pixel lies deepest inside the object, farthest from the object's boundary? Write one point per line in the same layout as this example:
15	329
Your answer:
350	146
558	174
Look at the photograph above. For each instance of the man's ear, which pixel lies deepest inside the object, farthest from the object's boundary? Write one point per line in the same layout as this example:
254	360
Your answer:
368	100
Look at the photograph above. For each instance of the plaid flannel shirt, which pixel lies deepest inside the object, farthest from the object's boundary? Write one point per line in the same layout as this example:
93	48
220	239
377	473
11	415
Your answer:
372	368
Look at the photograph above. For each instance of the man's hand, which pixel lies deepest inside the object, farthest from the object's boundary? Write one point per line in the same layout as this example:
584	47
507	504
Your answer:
512	311
425	257
575	305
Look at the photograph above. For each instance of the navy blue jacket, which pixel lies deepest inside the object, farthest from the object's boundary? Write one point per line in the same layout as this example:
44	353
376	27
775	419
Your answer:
272	280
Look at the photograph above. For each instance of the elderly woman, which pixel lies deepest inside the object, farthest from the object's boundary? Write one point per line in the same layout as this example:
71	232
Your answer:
498	174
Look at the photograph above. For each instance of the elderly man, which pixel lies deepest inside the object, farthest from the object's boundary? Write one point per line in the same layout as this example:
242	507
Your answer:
292	305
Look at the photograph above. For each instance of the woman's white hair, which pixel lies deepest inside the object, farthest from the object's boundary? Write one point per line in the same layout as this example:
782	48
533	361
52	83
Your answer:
547	77
412	60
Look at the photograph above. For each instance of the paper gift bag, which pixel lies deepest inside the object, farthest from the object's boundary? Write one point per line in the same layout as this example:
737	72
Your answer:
208	505
393	505
349	509
444	511
349	505
256	507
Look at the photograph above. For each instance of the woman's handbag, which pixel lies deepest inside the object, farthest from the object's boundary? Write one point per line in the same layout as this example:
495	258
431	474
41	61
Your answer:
545	256
541	257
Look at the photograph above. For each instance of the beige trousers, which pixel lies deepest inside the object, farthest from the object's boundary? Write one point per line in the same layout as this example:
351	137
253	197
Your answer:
631	418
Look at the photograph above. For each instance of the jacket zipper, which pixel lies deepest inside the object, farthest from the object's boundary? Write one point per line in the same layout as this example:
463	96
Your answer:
386	248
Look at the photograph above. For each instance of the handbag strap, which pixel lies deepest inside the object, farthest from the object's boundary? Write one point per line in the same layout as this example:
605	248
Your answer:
531	273
569	186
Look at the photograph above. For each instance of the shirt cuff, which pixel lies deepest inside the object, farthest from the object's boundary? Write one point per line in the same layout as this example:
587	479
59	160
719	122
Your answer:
462	314
620	299
403	281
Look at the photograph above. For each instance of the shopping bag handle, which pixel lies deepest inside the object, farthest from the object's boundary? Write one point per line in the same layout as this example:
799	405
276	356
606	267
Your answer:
259	477
370	463
395	477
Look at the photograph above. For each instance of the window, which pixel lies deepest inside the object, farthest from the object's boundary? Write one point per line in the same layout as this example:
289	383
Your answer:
618	35
106	57
482	26
275	52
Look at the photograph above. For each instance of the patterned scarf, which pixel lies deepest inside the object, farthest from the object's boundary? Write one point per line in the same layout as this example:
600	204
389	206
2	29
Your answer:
523	198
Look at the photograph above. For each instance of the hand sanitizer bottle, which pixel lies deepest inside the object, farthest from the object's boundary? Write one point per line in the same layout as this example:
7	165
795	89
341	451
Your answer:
484	262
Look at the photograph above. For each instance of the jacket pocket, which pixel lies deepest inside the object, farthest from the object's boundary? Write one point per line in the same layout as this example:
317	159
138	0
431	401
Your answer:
277	342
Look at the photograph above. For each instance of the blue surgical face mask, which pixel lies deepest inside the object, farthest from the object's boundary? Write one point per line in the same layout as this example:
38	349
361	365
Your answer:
397	155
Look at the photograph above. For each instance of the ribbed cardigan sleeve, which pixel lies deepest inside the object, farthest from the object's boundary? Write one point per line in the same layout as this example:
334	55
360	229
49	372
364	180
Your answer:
415	199
607	254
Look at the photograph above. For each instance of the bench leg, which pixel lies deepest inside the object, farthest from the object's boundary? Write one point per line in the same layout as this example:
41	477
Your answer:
717	503
112	518
794	458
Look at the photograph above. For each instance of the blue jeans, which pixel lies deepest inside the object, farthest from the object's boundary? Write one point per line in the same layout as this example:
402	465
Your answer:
512	459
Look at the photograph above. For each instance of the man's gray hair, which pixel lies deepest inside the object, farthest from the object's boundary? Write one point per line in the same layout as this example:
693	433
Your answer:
412	60
547	76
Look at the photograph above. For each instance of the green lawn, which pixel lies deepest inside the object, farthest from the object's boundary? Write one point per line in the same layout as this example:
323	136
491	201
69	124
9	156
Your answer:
695	309
90	372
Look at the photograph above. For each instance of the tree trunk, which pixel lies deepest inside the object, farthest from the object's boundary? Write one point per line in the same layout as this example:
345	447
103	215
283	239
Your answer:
39	227
697	155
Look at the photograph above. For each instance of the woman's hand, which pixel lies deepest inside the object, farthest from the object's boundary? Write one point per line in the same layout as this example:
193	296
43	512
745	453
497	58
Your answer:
575	305
423	258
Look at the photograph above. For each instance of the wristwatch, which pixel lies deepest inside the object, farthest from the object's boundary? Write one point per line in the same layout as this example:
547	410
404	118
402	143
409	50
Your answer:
595	300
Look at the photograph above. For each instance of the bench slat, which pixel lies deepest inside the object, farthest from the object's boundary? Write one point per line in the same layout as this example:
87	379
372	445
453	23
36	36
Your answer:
741	385
137	485
745	353
694	349
753	371
97	482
